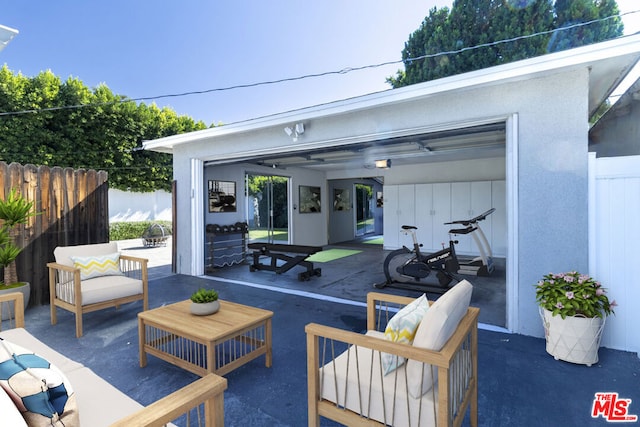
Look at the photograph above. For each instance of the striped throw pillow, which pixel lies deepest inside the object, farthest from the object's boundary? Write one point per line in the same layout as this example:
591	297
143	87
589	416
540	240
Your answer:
96	266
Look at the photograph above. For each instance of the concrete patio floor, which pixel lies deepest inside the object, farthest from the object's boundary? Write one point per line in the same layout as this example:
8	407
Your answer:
519	383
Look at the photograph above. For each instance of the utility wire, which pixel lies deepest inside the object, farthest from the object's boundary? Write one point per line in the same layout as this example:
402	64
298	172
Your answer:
322	74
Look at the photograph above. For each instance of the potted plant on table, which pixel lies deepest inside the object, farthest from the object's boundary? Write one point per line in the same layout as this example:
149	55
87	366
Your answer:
573	308
15	210
204	302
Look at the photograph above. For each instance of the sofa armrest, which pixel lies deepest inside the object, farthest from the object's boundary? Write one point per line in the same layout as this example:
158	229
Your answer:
18	308
207	391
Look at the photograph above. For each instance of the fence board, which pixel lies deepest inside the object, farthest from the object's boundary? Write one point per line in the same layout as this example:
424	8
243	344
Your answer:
617	246
73	206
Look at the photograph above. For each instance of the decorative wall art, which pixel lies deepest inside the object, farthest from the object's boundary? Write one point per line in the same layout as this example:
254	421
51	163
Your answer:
309	199
341	200
222	196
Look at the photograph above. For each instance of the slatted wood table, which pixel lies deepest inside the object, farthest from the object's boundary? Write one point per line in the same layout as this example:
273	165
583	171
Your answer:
217	343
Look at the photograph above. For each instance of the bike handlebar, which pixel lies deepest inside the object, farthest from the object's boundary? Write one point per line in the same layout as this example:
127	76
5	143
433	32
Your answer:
474	220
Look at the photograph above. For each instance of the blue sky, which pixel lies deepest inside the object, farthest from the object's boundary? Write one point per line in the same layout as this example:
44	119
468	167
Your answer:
144	48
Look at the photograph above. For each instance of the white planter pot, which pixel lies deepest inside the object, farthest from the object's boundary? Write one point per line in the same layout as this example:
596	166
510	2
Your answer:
573	339
203	309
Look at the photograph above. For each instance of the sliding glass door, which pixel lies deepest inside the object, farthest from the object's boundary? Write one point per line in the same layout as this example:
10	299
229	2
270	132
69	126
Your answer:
268	208
364	209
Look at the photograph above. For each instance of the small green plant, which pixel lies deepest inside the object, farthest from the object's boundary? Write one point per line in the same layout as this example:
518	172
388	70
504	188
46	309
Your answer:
573	294
203	295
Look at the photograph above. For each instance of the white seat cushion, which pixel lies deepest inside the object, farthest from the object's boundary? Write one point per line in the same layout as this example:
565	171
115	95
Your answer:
101	289
99	403
437	326
399	408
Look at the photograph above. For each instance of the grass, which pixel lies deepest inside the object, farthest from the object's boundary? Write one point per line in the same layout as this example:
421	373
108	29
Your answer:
279	235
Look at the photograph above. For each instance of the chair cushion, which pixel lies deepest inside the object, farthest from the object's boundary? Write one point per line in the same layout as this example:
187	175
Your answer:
101	404
101	289
97	266
41	391
10	414
402	328
63	254
354	380
437	326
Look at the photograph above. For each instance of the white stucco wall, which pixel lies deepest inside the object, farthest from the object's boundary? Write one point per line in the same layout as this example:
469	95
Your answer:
127	206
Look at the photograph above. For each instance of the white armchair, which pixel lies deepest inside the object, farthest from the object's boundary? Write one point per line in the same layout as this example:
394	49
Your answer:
435	386
86	278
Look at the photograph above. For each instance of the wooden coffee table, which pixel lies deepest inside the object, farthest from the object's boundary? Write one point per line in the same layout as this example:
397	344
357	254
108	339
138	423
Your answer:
217	343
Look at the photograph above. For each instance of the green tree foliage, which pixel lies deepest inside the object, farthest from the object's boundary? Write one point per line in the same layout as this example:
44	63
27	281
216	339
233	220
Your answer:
106	134
447	41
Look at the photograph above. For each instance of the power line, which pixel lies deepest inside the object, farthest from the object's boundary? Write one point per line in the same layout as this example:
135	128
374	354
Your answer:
321	74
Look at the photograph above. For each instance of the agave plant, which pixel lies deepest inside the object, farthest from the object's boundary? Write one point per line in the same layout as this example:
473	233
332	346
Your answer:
14	211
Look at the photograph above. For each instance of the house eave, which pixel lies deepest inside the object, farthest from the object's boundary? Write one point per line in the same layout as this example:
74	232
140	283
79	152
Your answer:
610	60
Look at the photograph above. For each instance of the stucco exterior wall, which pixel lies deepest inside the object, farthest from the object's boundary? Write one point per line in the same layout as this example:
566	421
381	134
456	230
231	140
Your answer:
545	166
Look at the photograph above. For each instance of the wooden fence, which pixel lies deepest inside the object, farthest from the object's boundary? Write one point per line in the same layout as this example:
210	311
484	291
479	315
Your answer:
74	210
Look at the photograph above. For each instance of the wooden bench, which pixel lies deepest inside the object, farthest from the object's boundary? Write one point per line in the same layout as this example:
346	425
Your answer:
292	255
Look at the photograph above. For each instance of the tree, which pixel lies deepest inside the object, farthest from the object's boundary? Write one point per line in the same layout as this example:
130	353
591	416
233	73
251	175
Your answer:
463	38
106	133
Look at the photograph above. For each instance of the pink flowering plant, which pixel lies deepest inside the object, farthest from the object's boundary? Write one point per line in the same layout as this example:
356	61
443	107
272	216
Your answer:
573	294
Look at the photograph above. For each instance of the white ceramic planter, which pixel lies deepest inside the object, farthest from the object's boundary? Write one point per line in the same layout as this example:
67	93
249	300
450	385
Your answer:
573	339
204	309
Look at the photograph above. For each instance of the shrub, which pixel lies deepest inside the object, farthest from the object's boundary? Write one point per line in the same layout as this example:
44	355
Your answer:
133	230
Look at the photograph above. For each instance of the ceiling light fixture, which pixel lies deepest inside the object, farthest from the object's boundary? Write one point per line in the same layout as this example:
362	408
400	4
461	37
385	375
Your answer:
383	164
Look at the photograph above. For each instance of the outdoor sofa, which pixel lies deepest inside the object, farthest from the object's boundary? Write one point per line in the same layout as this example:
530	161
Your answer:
97	402
435	382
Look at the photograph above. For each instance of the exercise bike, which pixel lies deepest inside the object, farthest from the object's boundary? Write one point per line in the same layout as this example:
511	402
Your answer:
483	264
408	269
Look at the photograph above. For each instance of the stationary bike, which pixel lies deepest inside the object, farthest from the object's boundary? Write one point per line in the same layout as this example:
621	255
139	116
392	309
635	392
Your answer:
408	269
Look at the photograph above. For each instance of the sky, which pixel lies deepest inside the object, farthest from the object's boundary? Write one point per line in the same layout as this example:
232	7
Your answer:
149	48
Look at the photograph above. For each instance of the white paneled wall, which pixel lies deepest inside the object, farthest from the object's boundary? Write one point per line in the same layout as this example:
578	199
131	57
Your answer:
429	206
615	245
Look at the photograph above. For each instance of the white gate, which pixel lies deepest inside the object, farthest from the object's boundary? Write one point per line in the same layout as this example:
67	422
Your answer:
614	239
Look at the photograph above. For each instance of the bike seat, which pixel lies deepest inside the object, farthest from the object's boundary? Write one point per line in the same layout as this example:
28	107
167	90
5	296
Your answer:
409	227
467	230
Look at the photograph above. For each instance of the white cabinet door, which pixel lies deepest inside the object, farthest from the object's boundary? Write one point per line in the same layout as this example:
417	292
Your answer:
441	214
424	214
470	199
390	222
406	212
461	210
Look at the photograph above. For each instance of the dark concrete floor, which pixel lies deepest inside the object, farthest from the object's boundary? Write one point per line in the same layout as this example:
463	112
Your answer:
352	277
